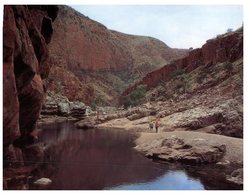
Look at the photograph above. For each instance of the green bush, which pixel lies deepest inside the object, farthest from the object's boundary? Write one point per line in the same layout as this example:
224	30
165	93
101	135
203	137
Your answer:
97	102
135	97
177	73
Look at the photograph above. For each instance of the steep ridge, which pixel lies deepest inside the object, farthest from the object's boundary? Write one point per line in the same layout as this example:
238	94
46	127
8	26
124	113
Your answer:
147	53
99	60
227	47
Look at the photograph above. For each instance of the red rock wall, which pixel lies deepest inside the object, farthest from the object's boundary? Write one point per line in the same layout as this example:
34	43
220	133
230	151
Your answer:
228	47
81	47
80	43
26	32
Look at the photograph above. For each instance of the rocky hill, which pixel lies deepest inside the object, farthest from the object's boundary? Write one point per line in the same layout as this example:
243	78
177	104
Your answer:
224	48
202	91
89	60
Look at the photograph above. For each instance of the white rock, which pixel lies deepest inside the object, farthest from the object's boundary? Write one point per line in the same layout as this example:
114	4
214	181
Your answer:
43	181
64	108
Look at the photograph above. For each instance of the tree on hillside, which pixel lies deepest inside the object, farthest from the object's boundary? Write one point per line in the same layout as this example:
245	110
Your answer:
135	97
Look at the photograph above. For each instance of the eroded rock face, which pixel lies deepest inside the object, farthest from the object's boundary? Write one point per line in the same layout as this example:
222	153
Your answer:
10	98
94	61
56	104
227	47
26	32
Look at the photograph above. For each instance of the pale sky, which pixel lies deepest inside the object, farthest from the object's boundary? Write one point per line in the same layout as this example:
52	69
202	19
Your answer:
179	26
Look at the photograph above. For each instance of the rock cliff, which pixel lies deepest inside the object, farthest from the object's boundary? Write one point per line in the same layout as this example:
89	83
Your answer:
224	48
90	59
26	32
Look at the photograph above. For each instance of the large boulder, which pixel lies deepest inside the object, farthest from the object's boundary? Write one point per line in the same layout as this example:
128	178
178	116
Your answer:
236	177
64	108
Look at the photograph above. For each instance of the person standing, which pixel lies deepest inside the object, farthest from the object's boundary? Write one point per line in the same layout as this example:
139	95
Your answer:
157	124
151	124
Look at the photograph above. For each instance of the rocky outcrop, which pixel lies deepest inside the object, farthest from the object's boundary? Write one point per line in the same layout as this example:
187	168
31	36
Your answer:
236	177
222	115
26	32
190	147
220	153
64	82
56	104
224	48
175	149
216	116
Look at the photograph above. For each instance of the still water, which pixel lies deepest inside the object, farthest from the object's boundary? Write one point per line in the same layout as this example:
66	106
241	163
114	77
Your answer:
104	159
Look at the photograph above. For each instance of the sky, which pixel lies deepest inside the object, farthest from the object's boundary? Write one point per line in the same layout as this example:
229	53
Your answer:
179	26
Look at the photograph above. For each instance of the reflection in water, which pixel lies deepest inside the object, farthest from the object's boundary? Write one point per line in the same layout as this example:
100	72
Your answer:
102	159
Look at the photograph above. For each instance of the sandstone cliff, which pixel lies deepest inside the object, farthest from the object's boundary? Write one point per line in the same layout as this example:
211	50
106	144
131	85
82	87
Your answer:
26	32
224	48
100	62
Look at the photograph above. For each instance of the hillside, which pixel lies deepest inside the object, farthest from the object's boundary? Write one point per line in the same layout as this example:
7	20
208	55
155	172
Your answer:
88	57
202	91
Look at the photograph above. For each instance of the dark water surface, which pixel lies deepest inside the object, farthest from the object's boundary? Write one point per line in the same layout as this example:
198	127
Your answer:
104	159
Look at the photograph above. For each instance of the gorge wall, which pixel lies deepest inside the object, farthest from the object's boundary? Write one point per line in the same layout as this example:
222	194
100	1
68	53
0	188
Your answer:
90	60
224	48
26	32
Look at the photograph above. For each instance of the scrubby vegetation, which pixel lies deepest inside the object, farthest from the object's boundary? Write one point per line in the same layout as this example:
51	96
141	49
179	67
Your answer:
177	72
228	67
134	98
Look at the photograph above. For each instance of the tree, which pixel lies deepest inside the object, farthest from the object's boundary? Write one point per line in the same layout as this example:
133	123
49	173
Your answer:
229	30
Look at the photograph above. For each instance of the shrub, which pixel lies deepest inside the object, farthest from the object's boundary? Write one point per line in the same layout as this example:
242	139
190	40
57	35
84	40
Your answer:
202	75
177	73
97	102
228	67
135	97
